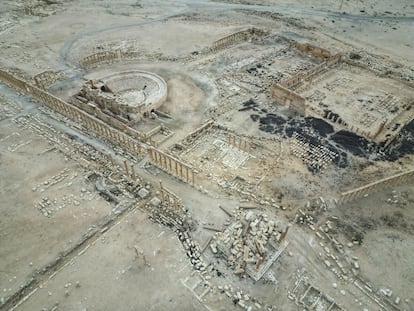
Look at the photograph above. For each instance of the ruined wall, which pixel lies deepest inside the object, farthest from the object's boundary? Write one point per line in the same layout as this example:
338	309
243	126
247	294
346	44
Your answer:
375	186
313	50
48	77
89	122
288	98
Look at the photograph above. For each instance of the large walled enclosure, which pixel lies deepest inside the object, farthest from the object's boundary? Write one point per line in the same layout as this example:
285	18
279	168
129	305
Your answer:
206	155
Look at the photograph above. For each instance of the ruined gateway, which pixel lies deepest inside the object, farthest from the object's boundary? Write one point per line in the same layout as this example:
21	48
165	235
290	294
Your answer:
206	155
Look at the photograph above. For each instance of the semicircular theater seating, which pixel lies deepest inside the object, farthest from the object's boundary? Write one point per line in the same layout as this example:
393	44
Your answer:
130	95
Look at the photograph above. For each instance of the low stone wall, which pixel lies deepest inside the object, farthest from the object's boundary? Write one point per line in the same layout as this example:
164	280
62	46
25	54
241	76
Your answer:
101	57
193	136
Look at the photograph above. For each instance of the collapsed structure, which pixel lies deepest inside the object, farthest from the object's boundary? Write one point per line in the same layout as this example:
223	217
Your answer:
250	244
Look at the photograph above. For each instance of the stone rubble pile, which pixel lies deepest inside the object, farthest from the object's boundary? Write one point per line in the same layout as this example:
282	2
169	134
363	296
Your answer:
44	206
310	213
192	250
243	299
180	222
246	242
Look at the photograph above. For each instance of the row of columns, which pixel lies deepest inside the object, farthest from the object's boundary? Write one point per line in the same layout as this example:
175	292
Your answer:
74	113
238	142
129	169
99	57
234	38
169	198
171	165
10	79
296	79
356	193
101	128
107	56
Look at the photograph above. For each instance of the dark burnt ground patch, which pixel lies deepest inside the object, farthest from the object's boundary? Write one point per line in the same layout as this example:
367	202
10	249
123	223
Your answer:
355	144
314	131
315	126
250	105
317	131
404	143
272	123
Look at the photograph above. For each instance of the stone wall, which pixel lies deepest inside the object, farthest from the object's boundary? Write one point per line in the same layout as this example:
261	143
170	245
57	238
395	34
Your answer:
313	50
288	98
100	57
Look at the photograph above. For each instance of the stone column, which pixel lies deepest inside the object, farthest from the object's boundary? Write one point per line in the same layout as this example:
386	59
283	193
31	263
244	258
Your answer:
162	192
154	155
176	168
170	166
134	177
164	162
126	167
111	159
150	154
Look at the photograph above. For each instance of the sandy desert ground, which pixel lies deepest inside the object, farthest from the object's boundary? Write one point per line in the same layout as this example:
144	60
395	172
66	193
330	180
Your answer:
261	214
